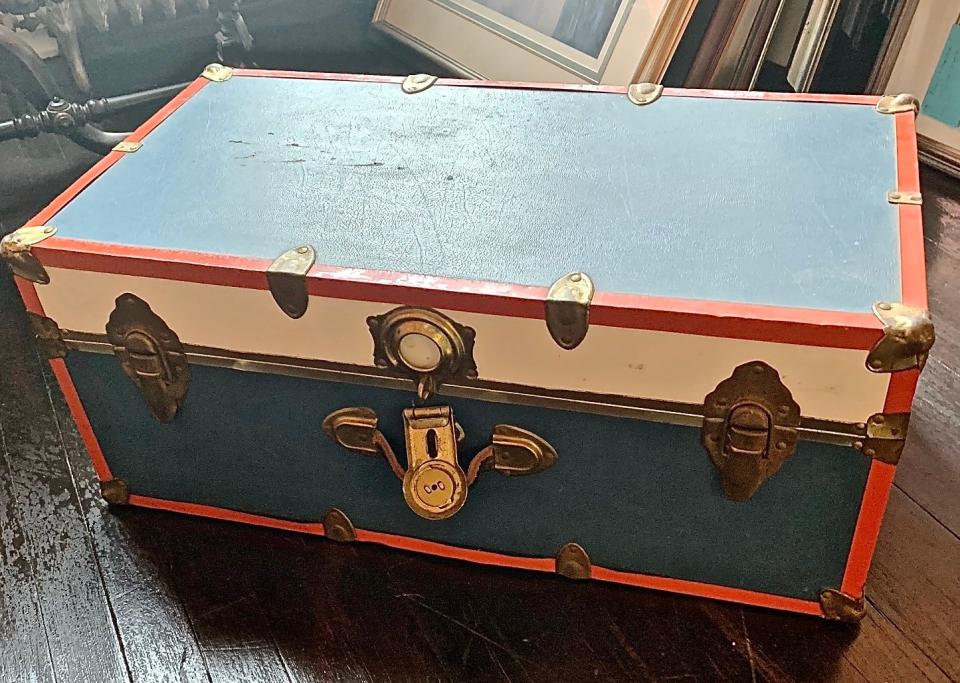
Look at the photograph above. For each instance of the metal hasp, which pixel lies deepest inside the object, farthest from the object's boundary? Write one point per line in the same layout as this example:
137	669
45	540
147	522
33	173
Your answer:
573	562
150	354
749	428
897	104
568	309
424	345
115	492
842	607
884	437
434	485
15	249
644	93
49	337
338	527
908	335
415	83
287	278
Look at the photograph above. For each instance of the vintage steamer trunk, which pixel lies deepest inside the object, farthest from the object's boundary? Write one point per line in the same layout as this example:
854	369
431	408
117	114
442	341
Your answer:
340	304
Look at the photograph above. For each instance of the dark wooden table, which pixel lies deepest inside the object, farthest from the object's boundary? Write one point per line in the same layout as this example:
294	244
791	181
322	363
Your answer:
88	594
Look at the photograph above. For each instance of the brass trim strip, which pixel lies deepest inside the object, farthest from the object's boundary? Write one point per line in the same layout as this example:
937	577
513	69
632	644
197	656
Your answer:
650	410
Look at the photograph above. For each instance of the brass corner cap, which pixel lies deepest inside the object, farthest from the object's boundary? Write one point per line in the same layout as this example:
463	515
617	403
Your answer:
908	335
644	93
573	562
415	83
115	491
217	72
842	607
338	527
897	104
15	250
127	147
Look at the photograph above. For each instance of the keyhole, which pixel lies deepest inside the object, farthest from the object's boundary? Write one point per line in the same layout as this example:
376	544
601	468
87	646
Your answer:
432	443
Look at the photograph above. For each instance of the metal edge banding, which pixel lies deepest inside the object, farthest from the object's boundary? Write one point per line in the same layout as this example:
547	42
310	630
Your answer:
650	410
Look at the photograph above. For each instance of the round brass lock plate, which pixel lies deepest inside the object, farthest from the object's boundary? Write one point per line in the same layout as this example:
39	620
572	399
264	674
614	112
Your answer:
435	490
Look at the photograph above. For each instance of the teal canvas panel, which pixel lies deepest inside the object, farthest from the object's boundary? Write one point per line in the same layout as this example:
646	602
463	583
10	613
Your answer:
750	201
638	496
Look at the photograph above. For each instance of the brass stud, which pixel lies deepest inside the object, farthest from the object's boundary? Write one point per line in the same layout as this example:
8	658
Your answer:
127	147
573	562
217	72
842	607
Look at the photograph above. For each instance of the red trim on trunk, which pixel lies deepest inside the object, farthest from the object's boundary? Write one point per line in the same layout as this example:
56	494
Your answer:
113	157
875	496
900	391
808	327
870	100
540	564
912	264
60	371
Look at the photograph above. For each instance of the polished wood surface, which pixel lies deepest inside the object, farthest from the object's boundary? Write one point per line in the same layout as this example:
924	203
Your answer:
89	594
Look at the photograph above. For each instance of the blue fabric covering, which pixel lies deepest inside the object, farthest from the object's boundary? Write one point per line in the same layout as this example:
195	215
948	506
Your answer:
640	497
778	203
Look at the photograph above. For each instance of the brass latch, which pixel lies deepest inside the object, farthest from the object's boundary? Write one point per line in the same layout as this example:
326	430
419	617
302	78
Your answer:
750	426
150	354
434	484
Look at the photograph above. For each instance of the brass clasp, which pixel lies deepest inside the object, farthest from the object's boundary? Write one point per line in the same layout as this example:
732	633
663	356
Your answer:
434	484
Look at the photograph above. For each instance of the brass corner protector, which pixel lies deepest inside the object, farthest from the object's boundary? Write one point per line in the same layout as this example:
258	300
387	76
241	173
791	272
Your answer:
568	309
914	198
884	437
644	93
115	491
218	73
150	354
287	278
127	147
908	335
48	335
573	562
338	527
897	104
842	607
415	83
15	249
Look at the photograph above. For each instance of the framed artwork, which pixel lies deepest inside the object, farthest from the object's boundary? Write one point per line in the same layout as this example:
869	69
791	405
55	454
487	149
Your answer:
928	66
560	41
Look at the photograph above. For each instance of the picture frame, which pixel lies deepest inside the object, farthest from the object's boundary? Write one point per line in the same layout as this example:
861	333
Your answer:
913	72
613	42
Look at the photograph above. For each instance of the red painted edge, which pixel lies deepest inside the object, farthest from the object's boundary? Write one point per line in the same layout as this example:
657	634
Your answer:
31	301
707	318
912	264
540	564
113	157
876	493
582	87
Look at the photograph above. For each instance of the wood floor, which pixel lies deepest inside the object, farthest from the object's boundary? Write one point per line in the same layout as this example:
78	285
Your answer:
88	594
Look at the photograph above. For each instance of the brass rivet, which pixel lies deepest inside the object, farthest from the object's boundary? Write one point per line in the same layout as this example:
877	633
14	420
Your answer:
876	364
895	195
576	277
784	409
884	306
861	426
878	419
781	445
858	445
894	431
302	250
757	369
49	230
869	452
